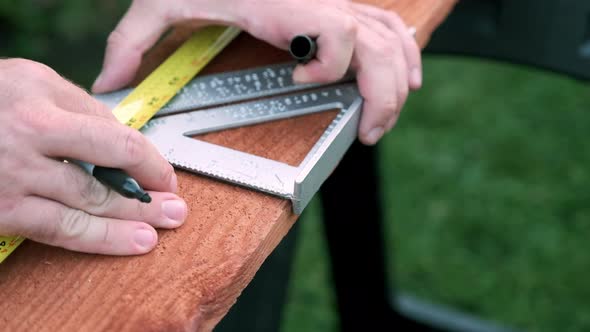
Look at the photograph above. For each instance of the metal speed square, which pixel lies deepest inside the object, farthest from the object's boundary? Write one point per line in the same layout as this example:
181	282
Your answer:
203	106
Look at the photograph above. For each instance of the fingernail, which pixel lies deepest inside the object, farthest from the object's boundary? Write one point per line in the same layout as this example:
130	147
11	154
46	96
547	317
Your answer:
375	134
144	238
175	210
416	77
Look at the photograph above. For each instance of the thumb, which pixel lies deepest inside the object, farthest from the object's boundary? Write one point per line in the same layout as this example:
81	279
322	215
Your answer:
136	33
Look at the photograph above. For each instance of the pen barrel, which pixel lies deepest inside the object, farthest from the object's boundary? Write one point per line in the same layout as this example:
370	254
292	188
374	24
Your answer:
303	48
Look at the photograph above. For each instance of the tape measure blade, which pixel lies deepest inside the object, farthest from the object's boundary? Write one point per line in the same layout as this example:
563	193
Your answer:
166	80
8	244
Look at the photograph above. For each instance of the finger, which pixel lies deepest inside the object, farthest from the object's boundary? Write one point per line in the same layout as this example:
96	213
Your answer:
378	64
107	143
72	98
137	32
52	223
399	65
335	48
73	187
376	26
410	47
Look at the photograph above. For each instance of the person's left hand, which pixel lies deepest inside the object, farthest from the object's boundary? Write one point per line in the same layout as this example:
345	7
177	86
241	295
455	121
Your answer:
372	42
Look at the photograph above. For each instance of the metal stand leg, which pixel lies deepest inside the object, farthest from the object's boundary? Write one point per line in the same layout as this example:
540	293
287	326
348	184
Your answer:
352	218
353	226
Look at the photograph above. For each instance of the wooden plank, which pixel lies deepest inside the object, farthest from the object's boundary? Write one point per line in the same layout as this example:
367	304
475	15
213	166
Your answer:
197	272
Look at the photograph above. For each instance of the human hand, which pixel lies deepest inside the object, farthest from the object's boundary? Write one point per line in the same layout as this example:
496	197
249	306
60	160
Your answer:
373	42
44	119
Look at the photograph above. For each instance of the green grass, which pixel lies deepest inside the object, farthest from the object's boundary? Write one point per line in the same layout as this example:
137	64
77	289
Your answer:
486	188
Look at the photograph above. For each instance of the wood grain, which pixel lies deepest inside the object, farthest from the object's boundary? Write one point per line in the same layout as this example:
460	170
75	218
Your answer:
189	282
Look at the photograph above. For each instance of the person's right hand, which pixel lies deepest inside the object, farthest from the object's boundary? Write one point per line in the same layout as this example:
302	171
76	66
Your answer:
44	119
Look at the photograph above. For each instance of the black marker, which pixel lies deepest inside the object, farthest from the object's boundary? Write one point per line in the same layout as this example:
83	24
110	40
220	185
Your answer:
117	180
303	48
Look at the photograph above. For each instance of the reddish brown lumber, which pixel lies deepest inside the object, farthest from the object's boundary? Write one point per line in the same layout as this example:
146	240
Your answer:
196	273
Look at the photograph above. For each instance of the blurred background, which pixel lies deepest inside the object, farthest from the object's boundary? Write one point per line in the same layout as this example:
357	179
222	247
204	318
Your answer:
485	180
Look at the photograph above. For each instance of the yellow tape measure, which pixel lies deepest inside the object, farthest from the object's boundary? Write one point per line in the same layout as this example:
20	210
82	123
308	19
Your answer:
164	82
8	244
158	88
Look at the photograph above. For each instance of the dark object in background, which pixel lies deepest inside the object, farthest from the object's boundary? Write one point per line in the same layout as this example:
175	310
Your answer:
303	48
550	35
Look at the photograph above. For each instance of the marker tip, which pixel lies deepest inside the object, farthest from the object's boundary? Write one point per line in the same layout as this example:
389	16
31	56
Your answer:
145	198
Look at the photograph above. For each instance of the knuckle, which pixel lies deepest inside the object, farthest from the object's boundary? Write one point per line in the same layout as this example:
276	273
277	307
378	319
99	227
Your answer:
72	224
134	147
8	206
31	120
95	107
33	69
115	38
393	18
349	25
88	105
385	50
390	105
167	173
14	169
93	193
17	62
141	210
